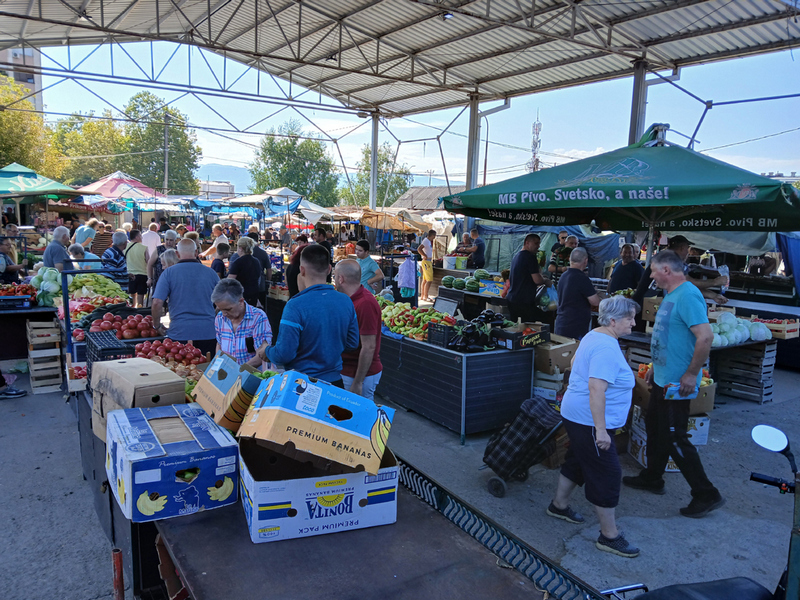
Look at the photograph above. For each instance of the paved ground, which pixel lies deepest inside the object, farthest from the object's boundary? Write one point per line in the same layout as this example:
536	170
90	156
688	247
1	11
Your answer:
54	547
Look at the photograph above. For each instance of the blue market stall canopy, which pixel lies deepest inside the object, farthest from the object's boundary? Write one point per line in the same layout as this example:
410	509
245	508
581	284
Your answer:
96	204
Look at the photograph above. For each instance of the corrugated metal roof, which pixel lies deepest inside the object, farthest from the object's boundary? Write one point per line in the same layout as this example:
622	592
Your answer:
408	56
426	198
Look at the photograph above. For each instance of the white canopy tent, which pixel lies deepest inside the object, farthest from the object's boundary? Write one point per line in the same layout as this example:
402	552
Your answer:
282	195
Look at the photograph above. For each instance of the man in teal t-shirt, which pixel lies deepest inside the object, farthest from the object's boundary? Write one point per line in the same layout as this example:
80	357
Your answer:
680	346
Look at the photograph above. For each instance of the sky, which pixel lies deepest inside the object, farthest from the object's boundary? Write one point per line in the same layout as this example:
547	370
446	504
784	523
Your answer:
576	122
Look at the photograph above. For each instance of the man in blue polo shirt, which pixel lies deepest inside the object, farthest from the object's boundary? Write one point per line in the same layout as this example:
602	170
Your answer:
477	250
317	325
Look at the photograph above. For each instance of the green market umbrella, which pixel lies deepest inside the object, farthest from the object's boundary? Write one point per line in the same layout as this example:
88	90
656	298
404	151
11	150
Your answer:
648	185
21	185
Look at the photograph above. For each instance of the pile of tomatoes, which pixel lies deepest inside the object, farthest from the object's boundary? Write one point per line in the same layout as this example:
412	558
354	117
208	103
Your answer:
170	351
128	328
14	289
77	373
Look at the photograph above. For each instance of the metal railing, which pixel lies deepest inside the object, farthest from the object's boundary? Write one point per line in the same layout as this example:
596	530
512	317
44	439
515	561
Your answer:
547	576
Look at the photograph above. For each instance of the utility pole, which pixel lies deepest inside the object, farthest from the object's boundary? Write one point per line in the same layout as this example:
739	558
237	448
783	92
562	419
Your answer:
166	151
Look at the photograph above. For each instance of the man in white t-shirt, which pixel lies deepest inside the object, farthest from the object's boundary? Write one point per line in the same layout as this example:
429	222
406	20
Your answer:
426	255
151	239
219	238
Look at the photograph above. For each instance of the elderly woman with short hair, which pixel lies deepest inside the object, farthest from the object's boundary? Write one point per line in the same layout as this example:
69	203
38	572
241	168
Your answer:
246	269
596	403
241	329
169	258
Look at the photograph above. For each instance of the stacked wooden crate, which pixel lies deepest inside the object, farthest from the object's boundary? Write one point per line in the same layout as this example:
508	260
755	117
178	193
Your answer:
44	356
747	372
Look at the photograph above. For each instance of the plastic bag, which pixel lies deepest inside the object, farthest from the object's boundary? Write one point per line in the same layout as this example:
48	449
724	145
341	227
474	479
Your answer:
724	271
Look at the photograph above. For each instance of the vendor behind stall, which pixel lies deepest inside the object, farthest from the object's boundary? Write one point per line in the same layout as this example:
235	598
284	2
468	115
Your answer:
525	279
241	329
80	255
371	274
188	287
9	270
477	250
627	272
576	298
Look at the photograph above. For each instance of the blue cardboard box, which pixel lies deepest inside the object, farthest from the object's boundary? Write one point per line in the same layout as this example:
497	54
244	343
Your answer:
169	461
226	390
296	413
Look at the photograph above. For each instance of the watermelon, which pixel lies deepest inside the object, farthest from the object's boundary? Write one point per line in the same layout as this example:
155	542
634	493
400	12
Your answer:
473	286
447	281
482	274
469	279
459	284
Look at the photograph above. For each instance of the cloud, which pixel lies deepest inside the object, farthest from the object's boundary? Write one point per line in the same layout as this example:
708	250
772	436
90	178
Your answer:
573	153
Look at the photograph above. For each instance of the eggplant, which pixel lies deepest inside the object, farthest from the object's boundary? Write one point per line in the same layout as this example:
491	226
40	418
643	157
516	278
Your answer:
475	348
469	328
458	343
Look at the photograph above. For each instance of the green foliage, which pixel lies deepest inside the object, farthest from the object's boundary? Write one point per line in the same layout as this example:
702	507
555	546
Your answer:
146	133
79	136
397	184
303	165
24	138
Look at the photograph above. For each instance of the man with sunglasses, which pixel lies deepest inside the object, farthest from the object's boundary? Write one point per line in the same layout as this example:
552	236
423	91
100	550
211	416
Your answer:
562	239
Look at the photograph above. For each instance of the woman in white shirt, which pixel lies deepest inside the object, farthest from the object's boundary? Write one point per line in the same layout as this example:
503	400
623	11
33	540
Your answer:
596	403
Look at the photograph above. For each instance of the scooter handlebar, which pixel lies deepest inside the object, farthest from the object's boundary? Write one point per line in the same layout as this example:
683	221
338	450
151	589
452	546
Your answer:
782	484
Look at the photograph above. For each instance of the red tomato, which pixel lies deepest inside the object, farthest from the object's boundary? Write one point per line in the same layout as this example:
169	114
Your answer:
143	326
138	317
108	317
106	325
162	352
94	329
168	344
119	334
182	352
116	326
81	337
152	333
128	334
196	361
151	354
139	347
117	319
156	343
96	322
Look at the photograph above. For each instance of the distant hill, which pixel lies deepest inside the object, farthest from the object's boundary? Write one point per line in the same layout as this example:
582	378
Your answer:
240	177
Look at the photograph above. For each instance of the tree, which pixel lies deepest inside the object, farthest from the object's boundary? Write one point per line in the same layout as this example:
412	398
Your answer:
24	138
143	144
397	184
286	160
81	136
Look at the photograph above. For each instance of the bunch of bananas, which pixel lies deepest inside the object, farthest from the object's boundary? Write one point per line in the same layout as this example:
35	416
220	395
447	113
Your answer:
221	490
379	434
149	504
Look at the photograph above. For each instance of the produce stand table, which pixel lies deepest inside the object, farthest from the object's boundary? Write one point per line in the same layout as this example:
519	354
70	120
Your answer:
15	337
788	350
471	303
464	392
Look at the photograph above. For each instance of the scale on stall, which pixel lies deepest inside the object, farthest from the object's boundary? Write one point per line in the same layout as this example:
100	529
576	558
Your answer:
446	306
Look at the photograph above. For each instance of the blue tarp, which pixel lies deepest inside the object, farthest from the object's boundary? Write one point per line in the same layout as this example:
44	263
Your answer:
789	248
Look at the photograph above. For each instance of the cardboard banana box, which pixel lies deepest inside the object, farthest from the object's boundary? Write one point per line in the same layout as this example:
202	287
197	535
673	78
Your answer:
294	414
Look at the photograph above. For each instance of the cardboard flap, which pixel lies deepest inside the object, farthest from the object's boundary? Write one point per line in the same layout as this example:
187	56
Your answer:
137	437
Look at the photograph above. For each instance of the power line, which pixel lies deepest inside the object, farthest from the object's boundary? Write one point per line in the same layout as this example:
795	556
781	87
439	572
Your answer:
112	155
763	137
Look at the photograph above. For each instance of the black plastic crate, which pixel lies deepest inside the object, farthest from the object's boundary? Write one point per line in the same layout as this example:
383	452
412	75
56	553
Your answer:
440	335
104	345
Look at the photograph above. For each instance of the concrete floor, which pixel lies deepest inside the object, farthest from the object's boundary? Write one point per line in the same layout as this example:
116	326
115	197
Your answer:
54	547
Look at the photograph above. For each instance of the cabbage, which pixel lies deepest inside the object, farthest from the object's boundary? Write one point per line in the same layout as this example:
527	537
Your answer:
717	341
51	287
51	275
725	328
727	319
37	282
714	328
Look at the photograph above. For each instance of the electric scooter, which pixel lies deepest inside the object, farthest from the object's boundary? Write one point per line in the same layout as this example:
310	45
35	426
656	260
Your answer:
743	588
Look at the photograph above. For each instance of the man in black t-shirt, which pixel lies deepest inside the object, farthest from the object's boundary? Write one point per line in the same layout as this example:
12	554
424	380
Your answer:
627	273
576	297
525	279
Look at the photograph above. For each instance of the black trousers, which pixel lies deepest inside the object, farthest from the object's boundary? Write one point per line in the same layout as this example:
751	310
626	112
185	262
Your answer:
666	422
525	311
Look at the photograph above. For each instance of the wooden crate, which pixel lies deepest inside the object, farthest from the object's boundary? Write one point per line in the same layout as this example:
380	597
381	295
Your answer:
637	355
74	385
45	370
747	372
787	329
43	335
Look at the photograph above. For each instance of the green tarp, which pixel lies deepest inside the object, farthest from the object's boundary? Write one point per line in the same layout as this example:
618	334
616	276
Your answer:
28	187
648	184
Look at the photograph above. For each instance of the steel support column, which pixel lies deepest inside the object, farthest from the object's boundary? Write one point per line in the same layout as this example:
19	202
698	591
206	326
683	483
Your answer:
639	101
373	162
473	146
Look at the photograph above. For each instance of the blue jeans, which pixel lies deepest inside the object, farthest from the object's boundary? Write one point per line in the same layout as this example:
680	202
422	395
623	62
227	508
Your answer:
368	388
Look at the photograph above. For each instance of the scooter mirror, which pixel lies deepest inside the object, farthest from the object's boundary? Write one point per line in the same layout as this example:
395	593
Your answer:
770	438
